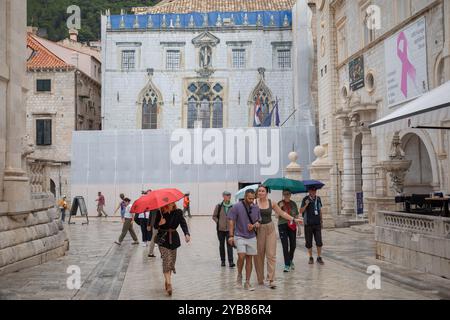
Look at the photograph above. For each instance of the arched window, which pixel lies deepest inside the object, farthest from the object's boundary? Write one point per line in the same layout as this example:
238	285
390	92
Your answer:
205	105
262	95
150	111
149	101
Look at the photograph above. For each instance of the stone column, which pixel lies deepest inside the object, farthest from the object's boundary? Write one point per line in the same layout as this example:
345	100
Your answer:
368	163
294	171
16	187
348	179
320	170
446	53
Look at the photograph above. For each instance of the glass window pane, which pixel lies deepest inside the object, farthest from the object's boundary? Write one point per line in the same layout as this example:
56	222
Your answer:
192	113
284	59
173	59
239	58
128	61
218	114
205	114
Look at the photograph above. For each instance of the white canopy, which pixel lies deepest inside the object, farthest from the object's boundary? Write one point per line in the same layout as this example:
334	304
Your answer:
428	110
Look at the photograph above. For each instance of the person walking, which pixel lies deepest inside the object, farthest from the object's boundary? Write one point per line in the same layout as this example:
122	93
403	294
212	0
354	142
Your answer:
143	223
287	230
167	221
62	204
311	210
187	205
267	238
101	205
243	220
153	231
127	225
220	217
121	206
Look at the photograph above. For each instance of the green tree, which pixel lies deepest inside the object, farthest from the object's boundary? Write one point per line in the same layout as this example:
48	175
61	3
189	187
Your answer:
52	15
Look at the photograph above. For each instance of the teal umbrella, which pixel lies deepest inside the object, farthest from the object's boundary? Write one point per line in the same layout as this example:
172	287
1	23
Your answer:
294	186
241	193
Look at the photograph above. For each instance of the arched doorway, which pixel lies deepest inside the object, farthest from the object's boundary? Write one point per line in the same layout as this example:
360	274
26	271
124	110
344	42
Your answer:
419	178
53	188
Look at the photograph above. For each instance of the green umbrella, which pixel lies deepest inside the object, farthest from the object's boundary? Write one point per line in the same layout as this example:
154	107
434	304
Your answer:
294	186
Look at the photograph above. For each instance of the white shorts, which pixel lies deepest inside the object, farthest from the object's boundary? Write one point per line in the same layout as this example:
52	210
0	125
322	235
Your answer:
247	246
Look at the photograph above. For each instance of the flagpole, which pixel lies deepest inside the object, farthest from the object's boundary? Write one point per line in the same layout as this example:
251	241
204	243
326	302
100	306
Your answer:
288	118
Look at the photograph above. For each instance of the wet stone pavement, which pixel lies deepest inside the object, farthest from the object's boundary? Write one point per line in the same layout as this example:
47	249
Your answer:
125	272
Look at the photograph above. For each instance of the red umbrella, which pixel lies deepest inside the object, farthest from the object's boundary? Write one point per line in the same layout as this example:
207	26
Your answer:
156	199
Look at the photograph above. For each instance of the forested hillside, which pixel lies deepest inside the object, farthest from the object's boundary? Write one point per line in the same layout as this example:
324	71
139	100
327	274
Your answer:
52	15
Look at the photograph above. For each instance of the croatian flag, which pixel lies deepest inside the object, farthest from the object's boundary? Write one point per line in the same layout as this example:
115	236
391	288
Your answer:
258	113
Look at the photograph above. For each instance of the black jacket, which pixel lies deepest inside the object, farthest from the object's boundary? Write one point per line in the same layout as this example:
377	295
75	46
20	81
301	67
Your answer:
173	220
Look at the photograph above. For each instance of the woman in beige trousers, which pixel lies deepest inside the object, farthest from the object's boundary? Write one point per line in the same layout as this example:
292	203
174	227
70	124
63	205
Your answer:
267	237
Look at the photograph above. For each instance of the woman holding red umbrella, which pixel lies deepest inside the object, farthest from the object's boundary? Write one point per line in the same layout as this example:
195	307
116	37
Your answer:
168	239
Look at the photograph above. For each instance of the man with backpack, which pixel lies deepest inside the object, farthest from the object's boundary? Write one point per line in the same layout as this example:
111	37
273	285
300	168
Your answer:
220	217
187	205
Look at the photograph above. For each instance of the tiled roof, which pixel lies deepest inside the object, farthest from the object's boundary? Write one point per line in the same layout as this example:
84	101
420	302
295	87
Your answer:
42	58
188	6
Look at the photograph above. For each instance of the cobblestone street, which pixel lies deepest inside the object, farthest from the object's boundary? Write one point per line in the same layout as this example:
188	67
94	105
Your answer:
112	272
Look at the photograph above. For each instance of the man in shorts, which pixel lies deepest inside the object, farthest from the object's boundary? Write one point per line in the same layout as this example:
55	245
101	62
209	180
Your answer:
243	219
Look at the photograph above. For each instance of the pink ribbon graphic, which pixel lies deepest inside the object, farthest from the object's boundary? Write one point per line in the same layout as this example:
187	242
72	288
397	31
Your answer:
407	66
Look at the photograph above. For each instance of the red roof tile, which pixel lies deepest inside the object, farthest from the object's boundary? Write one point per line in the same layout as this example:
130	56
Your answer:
42	58
187	6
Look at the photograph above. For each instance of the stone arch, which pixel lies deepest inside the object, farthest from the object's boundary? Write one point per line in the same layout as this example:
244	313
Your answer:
53	187
149	103
263	92
439	71
415	140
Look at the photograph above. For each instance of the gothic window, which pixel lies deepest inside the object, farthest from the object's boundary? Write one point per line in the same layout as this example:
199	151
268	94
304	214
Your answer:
150	110
261	96
205	105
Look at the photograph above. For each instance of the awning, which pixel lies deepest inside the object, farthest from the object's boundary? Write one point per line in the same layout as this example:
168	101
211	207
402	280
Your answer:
426	111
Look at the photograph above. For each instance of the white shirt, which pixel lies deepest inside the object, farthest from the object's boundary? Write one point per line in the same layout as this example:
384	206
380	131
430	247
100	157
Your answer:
144	215
127	214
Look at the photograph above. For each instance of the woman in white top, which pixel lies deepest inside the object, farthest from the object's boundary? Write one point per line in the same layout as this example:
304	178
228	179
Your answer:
127	224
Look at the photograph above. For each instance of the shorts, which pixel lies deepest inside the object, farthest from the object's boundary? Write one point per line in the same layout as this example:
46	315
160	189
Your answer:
313	231
247	246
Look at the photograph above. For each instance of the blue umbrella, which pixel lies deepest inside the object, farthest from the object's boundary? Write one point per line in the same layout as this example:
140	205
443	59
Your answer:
241	193
313	184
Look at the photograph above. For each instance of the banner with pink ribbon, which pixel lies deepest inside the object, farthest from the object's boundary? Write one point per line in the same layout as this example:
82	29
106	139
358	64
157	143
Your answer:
406	64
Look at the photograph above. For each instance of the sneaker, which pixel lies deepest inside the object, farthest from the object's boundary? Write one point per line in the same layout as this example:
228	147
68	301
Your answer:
292	266
248	286
311	260
232	265
272	285
239	281
151	256
135	242
143	244
286	269
223	264
117	242
320	261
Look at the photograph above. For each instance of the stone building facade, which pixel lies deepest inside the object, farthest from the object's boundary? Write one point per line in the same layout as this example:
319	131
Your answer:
30	232
185	63
64	96
357	42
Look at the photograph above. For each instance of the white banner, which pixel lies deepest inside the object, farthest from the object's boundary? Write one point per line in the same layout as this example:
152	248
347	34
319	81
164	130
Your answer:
406	64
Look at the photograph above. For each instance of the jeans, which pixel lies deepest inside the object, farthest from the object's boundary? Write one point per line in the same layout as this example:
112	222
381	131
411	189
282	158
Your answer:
146	235
223	237
288	241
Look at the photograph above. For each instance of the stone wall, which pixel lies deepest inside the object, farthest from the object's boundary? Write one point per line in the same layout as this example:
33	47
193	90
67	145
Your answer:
414	241
30	232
